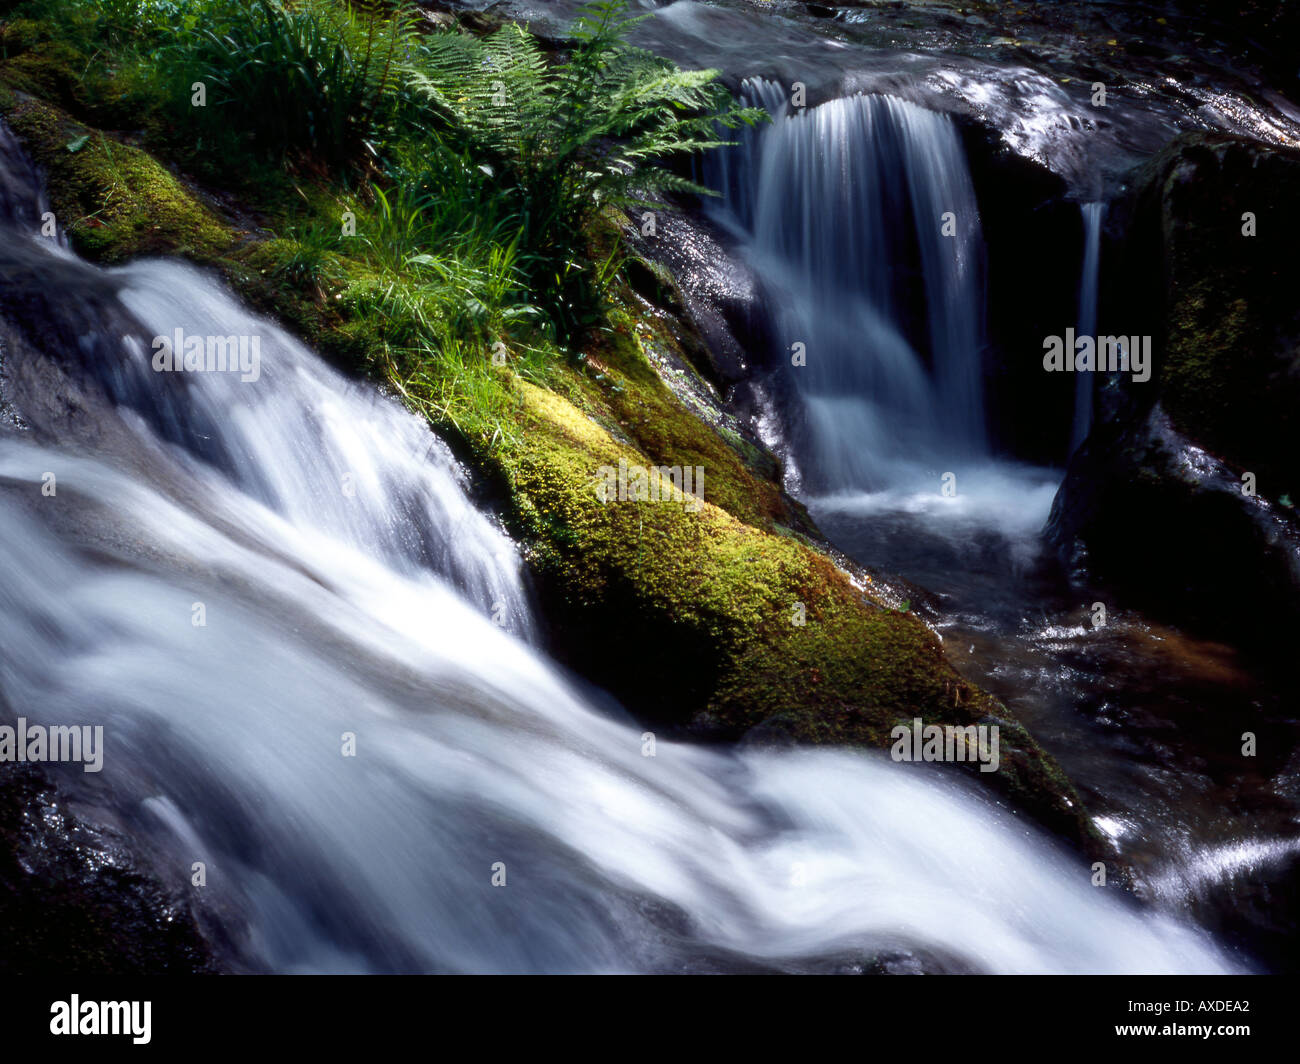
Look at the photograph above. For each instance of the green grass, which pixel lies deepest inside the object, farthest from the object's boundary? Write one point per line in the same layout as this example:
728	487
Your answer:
317	79
447	194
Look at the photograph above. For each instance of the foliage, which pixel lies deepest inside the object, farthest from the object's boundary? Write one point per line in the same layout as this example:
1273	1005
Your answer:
482	172
568	139
315	77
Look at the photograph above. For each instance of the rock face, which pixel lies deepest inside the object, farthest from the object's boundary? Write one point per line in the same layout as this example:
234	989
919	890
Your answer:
1208	270
1034	239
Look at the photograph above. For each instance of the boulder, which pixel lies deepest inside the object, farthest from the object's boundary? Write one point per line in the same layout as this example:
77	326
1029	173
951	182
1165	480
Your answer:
1184	494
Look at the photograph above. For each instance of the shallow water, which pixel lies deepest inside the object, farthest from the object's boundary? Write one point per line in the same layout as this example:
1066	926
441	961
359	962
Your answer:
1145	719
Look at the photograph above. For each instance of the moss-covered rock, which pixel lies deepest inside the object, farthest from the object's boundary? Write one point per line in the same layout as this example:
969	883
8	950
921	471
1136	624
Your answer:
114	201
36	62
1230	376
702	618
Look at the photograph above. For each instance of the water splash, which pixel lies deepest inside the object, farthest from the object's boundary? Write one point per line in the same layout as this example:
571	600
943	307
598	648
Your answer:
222	745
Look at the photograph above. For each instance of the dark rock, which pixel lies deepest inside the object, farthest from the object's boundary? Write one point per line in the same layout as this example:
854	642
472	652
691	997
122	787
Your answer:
72	899
1134	493
1034	240
1169	455
707	286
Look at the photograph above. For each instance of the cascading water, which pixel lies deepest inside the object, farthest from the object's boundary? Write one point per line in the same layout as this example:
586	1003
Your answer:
333	461
1088	283
330	612
860	219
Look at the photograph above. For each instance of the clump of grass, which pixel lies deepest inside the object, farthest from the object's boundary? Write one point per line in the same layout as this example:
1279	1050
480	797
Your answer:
315	78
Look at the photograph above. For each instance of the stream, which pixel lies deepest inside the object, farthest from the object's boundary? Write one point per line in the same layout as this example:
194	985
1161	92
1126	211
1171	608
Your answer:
320	672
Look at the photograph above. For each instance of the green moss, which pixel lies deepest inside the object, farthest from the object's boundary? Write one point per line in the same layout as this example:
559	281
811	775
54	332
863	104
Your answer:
709	602
53	70
114	201
616	385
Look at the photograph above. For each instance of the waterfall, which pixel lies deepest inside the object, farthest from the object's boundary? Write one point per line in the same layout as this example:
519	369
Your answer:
860	218
373	774
1092	216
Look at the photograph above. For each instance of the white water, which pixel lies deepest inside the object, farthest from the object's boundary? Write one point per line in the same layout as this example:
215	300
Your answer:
834	203
329	613
1088	285
831	207
1006	500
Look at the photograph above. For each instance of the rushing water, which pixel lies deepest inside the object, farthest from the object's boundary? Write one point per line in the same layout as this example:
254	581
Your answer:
240	579
854	214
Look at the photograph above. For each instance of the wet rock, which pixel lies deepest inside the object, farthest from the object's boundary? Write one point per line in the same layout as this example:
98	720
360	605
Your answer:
1126	513
1209	443
72	899
1034	239
699	281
